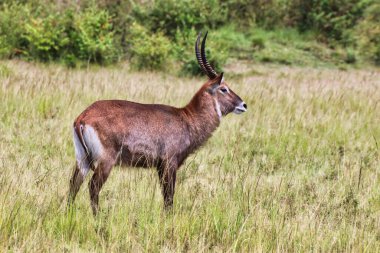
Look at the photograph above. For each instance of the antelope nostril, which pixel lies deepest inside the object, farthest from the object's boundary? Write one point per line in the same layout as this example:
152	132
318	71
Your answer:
245	105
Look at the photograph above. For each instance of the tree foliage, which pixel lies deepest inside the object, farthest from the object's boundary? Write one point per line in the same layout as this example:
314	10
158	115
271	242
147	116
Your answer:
151	33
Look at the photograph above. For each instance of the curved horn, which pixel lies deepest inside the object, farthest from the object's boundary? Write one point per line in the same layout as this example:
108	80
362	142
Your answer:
210	71
198	54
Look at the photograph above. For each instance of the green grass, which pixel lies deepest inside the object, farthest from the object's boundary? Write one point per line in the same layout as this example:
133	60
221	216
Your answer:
283	46
298	172
290	47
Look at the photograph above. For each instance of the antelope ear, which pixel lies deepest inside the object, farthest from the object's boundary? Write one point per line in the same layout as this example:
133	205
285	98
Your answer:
218	81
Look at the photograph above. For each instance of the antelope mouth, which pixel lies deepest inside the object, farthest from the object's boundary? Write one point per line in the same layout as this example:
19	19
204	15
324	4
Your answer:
240	108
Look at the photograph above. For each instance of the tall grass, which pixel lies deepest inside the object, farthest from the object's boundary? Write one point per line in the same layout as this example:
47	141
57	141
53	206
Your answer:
298	172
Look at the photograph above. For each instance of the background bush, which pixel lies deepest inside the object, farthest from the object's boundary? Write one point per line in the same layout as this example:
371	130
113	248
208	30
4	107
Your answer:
45	37
13	19
94	37
148	50
155	33
169	16
368	33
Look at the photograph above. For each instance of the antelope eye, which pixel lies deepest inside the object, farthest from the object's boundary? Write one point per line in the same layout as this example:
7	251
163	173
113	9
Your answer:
224	90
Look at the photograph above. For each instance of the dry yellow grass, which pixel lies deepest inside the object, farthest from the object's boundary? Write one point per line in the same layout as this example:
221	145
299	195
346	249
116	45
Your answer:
298	172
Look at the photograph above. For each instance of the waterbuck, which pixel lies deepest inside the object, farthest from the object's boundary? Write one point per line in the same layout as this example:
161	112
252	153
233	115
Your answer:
113	132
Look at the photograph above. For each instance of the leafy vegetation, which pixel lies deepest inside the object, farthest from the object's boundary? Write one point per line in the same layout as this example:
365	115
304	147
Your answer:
148	50
295	32
45	38
13	21
368	33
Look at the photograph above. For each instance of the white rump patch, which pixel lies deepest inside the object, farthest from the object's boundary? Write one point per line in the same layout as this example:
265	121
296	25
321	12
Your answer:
93	143
80	155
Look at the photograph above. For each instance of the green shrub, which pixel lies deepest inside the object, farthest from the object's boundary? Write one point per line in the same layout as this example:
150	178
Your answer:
368	34
169	16
147	50
332	19
289	47
350	57
183	51
269	14
271	30
12	28
241	11
121	20
93	36
266	14
230	42
220	45
46	37
66	35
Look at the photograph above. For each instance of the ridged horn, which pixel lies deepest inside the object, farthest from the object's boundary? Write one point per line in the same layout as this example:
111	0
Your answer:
210	71
198	54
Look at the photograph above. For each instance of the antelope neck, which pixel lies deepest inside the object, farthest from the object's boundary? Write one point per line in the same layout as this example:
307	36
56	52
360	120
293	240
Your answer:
201	117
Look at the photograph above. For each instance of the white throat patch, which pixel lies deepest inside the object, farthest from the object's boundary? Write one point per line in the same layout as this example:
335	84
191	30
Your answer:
217	107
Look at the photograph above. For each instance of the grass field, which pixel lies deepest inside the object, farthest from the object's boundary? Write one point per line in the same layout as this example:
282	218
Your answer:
300	171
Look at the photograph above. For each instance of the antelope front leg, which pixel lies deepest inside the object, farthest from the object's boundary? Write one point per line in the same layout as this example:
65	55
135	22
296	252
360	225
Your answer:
167	174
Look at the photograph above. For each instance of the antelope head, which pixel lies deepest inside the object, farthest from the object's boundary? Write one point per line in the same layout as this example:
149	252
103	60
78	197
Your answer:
226	101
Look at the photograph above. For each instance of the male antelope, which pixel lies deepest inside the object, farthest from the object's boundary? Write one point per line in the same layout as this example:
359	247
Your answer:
113	132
